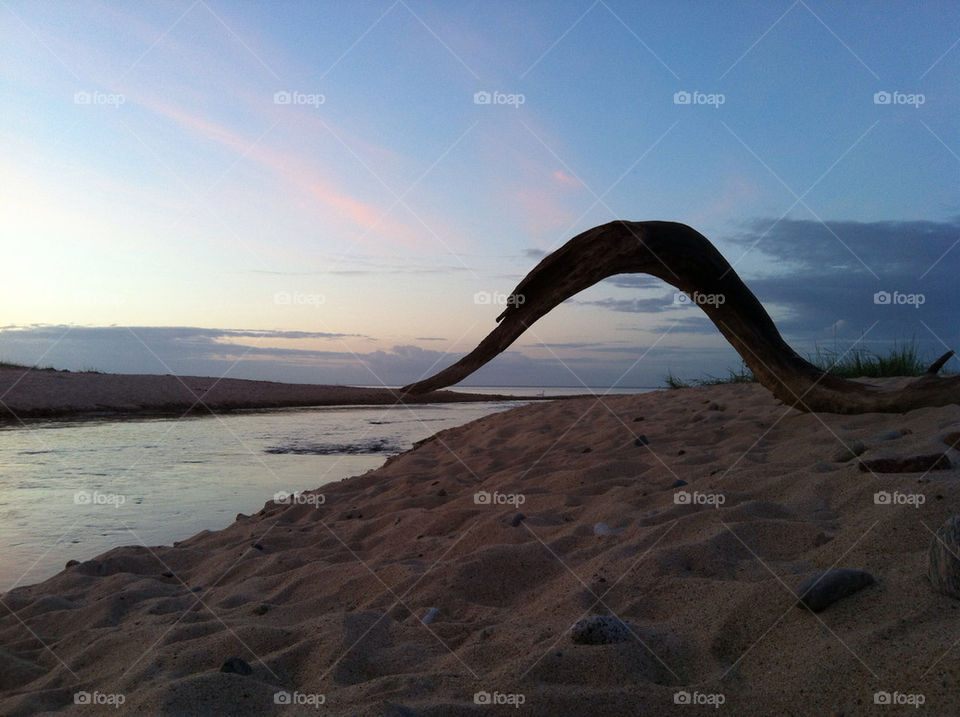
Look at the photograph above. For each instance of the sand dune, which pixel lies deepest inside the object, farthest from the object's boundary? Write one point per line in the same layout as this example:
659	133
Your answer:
45	393
325	599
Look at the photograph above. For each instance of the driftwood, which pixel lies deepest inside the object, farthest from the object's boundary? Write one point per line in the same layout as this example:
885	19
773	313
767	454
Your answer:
686	259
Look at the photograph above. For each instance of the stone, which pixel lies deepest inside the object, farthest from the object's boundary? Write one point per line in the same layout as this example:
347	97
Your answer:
604	529
823	589
944	565
600	630
641	441
236	666
517	519
678	482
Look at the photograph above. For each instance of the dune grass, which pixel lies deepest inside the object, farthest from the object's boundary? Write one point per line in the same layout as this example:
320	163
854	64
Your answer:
900	360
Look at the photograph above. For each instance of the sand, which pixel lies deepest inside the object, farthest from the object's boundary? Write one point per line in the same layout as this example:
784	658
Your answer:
26	393
325	598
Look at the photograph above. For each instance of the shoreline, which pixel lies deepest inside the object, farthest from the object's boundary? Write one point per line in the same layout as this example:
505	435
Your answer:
42	394
457	569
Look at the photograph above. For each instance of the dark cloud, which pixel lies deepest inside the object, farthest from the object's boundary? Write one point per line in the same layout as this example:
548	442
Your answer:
534	253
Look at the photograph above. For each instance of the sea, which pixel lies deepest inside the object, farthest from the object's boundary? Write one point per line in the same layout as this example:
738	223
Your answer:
72	489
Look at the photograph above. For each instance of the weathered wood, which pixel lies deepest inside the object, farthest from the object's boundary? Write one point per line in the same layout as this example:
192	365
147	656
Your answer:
687	260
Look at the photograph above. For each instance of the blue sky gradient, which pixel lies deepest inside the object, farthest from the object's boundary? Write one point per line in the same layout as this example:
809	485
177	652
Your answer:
159	193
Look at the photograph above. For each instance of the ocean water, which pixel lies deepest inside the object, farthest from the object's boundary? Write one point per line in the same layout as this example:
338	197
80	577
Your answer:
71	489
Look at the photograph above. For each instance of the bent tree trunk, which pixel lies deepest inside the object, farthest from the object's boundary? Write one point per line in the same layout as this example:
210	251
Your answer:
686	259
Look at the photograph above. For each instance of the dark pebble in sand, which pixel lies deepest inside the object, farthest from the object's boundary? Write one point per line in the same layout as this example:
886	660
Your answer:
517	519
638	419
588	449
442	493
257	546
681	452
236	666
641	441
599	630
823	589
913	464
261	609
167	574
196	589
678	482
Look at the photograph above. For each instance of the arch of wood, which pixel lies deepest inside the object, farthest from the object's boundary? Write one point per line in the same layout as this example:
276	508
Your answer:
686	259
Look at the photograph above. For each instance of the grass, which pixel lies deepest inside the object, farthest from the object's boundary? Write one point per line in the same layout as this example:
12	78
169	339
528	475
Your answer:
900	360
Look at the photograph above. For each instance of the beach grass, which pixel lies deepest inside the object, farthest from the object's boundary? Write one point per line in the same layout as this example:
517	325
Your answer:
900	360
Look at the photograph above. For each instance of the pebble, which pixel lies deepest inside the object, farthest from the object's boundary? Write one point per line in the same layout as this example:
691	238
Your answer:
641	441
517	519
430	616
257	546
678	482
236	666
847	452
944	566
261	609
599	630
604	529
823	589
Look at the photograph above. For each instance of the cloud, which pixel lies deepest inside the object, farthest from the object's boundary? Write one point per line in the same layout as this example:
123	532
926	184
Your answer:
565	178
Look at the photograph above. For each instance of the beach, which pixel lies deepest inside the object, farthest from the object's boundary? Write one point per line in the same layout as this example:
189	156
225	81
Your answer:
47	393
447	581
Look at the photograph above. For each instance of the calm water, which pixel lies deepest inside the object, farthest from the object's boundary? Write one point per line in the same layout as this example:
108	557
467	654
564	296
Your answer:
74	489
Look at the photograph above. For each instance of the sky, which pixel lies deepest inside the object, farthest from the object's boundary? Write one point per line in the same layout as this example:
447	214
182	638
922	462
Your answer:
343	192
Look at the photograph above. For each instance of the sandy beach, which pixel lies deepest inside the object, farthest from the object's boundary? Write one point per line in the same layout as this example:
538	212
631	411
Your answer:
447	582
47	393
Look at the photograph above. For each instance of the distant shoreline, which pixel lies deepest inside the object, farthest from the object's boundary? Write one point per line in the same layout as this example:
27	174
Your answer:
34	394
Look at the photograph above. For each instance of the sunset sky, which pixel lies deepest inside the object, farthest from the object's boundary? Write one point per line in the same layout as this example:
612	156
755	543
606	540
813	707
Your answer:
317	191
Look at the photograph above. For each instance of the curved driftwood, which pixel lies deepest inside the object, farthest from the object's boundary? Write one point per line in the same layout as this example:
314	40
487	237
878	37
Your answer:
683	257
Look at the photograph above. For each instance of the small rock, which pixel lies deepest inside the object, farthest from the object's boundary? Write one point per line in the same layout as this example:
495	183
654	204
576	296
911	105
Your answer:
944	566
847	452
823	589
196	589
913	464
641	441
167	574
236	666
604	529
599	630
517	519
638	419
714	406
71	563
261	609
430	616
681	452
442	492
257	546
588	449
678	482
888	436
